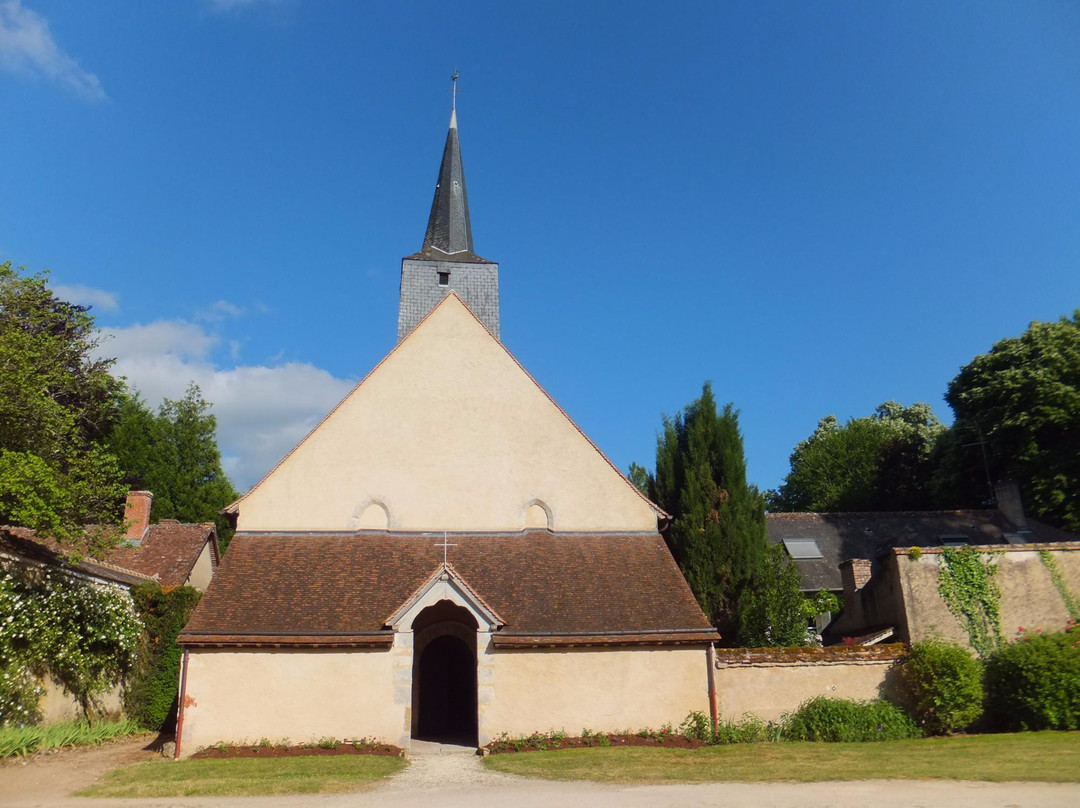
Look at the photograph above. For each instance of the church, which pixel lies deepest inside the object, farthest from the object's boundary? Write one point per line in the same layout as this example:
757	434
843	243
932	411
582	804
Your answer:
446	555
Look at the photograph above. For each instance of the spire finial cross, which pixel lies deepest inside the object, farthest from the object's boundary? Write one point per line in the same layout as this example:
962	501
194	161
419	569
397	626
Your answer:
445	546
453	90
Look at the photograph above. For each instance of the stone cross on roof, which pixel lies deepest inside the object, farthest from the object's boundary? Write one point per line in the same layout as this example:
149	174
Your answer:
445	545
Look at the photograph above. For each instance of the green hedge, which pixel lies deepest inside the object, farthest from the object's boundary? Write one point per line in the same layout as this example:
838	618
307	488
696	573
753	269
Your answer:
1034	682
151	696
945	683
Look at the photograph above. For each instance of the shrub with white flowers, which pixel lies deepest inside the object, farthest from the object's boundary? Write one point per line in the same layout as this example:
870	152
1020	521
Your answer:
84	635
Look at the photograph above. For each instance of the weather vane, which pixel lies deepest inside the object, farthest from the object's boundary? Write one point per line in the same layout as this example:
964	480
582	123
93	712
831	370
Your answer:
454	78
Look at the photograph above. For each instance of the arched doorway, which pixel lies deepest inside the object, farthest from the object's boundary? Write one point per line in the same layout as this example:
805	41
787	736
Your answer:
444	675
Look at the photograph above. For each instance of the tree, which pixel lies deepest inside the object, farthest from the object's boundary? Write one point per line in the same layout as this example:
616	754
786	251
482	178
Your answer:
717	534
1021	403
773	610
880	463
175	455
57	402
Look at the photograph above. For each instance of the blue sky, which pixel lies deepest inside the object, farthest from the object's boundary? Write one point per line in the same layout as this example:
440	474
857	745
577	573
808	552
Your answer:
818	206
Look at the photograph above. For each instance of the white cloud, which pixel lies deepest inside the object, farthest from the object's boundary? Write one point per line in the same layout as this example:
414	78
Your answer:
161	339
86	296
27	46
262	411
221	310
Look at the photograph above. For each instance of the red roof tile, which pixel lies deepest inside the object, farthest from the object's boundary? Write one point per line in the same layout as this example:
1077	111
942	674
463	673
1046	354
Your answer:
168	552
549	588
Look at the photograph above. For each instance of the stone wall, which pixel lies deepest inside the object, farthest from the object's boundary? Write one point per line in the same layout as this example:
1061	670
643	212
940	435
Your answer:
769	682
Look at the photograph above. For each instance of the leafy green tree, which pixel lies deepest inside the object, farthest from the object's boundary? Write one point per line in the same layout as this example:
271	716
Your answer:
57	402
639	476
772	612
717	534
881	463
174	454
1020	402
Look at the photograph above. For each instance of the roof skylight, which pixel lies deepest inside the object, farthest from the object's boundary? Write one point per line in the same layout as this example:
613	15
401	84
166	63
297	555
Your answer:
802	548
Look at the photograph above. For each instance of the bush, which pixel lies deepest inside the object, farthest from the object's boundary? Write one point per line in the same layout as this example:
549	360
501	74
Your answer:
1034	683
751	729
825	719
945	685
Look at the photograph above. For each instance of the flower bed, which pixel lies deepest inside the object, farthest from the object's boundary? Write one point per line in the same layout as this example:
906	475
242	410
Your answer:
265	749
546	741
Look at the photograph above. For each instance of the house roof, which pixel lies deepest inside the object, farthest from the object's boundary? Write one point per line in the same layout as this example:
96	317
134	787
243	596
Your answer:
840	536
168	551
24	543
550	589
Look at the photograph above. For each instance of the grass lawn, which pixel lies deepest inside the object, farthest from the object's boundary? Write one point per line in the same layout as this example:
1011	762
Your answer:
1035	756
246	776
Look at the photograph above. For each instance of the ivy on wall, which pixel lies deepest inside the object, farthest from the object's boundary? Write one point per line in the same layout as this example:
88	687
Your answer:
150	698
967	584
1072	604
83	635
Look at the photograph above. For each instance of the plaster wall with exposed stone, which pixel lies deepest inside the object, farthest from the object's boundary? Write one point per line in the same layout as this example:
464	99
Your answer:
906	593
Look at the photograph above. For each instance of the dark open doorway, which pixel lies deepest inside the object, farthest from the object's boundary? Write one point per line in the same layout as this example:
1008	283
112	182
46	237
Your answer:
444	675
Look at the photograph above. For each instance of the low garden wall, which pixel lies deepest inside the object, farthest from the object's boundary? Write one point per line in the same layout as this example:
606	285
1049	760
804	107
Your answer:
57	704
769	682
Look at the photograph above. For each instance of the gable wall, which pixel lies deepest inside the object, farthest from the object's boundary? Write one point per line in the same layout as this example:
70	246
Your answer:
448	433
203	569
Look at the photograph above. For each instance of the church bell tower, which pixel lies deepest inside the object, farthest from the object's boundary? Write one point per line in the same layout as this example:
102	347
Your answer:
447	262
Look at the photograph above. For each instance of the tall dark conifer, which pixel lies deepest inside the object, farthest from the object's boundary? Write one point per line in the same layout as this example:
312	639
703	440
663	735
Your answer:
717	535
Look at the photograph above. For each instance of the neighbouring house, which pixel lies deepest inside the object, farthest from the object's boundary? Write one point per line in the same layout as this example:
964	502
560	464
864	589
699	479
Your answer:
903	599
446	555
854	555
169	553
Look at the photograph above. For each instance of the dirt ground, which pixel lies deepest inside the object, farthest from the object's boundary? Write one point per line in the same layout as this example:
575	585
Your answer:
45	778
458	780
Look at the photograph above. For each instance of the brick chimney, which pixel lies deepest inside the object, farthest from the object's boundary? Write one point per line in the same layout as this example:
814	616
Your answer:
1007	495
137	514
854	574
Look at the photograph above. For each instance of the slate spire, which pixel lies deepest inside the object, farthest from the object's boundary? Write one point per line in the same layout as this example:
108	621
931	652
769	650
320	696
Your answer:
449	231
446	263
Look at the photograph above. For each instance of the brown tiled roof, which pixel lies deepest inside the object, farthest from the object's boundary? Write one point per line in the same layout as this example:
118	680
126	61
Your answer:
550	589
168	551
24	543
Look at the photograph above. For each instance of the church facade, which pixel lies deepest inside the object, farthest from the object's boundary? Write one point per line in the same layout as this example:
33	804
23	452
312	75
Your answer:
446	555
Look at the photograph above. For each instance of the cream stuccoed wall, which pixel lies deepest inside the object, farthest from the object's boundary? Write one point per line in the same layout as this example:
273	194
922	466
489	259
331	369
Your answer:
203	570
598	689
236	696
770	690
448	433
